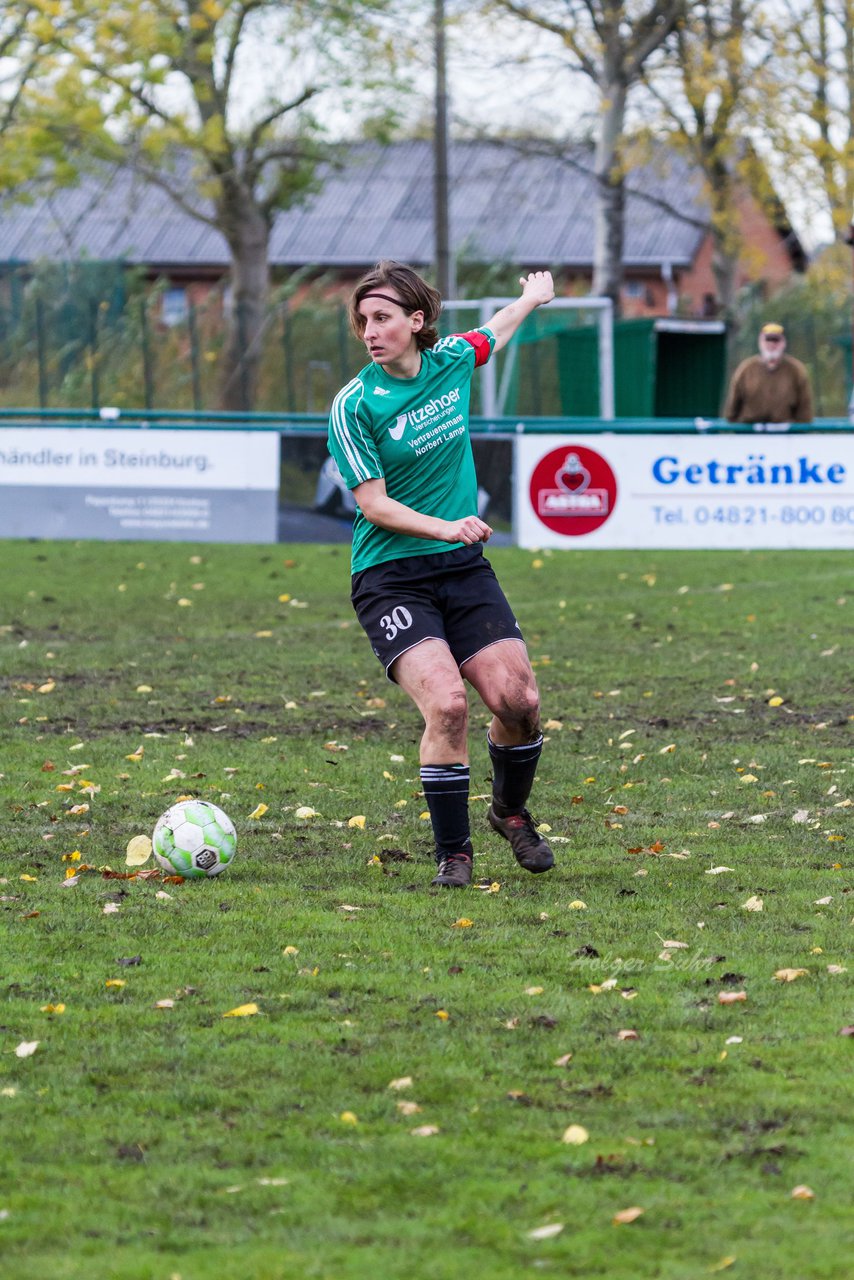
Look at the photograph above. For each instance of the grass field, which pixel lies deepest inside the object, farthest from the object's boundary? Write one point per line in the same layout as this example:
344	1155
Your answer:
404	1102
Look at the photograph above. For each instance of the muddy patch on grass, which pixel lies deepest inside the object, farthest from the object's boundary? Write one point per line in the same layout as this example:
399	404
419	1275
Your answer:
240	728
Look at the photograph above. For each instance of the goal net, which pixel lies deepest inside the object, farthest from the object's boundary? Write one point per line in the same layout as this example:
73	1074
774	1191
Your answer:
560	362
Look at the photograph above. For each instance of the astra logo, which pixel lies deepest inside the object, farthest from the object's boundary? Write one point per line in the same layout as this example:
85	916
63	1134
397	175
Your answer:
425	413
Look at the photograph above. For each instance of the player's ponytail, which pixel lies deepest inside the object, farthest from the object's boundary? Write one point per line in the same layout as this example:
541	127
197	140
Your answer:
414	293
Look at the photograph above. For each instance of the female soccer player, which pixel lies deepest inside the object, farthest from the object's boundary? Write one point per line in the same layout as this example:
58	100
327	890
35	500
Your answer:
422	589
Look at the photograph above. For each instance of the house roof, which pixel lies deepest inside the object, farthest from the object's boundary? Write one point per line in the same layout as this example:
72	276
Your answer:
508	204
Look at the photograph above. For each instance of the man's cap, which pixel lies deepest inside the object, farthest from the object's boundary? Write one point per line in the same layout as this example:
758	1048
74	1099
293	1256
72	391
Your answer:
772	331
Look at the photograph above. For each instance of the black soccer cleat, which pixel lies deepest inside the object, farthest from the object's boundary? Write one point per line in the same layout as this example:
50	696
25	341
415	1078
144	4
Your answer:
454	871
531	850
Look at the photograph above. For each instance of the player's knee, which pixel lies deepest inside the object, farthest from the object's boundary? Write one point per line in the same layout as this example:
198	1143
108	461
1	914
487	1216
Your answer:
451	712
529	711
521	708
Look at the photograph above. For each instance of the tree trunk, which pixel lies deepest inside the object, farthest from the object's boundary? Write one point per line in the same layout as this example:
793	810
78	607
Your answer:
609	213
725	271
248	237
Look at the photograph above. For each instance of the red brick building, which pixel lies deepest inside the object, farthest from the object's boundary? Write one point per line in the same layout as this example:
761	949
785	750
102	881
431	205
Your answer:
509	205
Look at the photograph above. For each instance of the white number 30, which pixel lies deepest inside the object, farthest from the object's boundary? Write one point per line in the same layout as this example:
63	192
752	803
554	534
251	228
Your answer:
399	619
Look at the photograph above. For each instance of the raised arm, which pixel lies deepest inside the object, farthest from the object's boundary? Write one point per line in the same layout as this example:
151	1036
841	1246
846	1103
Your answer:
537	289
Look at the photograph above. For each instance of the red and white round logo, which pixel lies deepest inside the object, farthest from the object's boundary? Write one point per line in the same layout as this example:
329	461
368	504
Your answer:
573	490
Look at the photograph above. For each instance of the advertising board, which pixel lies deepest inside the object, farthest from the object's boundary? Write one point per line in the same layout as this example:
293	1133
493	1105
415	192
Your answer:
120	483
684	491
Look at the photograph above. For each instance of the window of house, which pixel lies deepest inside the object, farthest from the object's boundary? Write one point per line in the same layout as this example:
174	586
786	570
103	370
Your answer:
634	289
174	307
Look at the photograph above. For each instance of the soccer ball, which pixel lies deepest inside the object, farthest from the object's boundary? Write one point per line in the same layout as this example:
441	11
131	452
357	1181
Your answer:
194	839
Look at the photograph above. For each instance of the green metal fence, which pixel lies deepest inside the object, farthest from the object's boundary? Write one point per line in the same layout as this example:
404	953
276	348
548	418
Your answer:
92	334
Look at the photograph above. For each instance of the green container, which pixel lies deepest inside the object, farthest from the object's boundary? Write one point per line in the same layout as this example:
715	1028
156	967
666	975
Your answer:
663	368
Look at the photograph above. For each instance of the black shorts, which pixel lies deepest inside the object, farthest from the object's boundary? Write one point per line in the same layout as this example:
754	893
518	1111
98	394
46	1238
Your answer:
452	596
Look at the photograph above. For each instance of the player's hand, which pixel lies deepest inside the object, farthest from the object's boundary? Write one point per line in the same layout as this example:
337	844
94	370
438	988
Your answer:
538	286
469	530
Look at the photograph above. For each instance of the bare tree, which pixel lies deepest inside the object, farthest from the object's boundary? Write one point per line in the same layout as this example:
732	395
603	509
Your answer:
705	89
610	42
209	99
814	130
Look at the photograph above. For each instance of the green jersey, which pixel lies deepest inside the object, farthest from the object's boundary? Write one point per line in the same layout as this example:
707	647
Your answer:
414	434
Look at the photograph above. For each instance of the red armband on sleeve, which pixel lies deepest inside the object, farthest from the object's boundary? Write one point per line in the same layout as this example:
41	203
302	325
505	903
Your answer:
480	342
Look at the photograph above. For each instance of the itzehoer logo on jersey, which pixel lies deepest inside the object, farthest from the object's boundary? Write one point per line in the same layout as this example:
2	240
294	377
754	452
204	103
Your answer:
425	414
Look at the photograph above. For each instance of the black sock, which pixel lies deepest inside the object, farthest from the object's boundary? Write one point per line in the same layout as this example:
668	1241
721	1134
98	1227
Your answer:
446	787
513	773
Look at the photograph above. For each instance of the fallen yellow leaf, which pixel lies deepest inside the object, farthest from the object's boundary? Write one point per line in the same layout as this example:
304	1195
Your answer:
442	1015
53	1008
462	923
547	1232
258	811
348	1117
732	997
115	982
789	975
358	820
138	851
803	1192
242	1011
627	1215
575	1135
425	1131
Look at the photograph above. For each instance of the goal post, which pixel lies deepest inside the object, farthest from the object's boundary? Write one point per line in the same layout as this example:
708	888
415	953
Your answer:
495	390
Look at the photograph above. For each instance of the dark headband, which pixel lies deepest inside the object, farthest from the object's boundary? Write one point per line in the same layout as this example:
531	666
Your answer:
387	298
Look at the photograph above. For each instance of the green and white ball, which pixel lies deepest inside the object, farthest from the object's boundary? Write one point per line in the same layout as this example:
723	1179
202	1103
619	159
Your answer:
194	839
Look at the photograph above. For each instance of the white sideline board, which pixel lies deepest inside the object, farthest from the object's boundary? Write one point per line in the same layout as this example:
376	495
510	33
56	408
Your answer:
156	484
685	491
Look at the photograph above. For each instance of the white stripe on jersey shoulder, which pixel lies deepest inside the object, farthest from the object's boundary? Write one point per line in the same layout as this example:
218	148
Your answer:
348	430
457	342
452	340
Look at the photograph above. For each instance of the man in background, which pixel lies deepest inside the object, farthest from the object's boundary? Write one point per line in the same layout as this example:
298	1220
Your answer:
771	387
